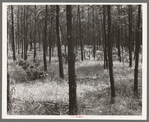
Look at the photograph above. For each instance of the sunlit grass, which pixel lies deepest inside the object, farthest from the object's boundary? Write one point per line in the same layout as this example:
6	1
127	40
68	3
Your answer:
93	88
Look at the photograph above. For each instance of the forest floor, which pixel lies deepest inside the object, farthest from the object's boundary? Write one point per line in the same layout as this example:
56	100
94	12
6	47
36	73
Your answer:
50	96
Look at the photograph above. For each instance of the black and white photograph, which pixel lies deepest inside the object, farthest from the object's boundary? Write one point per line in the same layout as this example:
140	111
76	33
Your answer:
74	61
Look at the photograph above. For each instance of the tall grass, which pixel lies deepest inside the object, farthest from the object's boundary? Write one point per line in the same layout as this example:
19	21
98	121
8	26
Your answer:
93	89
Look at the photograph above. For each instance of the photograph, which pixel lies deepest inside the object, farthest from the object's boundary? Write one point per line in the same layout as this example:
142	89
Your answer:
74	61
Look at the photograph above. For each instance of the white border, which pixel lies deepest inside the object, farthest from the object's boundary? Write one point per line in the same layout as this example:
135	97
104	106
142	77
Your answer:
4	68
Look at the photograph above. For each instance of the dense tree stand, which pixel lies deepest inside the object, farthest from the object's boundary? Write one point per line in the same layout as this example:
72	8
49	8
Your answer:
74	59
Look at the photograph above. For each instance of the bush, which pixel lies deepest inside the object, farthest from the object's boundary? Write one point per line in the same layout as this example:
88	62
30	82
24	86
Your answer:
17	74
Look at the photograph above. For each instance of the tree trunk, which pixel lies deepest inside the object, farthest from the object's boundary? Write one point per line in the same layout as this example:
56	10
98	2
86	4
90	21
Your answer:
76	28
61	74
137	53
8	93
118	40
130	36
45	39
81	44
13	45
71	64
24	34
105	39
31	46
50	39
26	27
110	55
21	32
18	30
64	39
25	41
94	49
50	50
35	35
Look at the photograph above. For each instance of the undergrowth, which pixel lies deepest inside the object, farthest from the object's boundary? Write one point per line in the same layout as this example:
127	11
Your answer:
93	90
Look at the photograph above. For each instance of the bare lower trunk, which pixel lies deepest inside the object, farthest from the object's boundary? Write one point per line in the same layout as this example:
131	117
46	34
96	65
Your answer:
71	65
61	74
110	55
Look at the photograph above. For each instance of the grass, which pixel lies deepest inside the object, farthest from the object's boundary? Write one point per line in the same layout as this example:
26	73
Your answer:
93	90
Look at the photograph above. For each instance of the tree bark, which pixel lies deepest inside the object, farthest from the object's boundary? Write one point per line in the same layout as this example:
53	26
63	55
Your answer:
22	32
50	39
137	53
45	39
76	28
118	40
8	93
35	34
105	39
71	64
13	45
94	49
130	36
61	74
81	44
110	55
24	36
18	29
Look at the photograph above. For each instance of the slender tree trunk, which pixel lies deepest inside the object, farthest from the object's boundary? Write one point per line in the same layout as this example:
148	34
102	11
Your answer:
24	33
130	36
105	39
63	38
94	49
25	41
45	39
137	53
101	33
50	49
81	44
118	40
13	45
8	94
76	41
35	34
21	33
71	64
31	46
88	27
26	27
110	55
46	52
50	39
61	74
18	29
8	79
